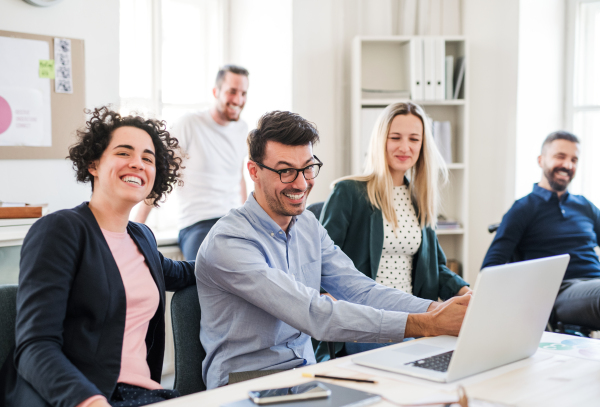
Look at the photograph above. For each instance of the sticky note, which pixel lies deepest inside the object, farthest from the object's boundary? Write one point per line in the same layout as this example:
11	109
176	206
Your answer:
47	68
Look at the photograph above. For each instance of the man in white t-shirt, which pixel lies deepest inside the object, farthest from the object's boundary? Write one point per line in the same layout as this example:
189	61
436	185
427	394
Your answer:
213	142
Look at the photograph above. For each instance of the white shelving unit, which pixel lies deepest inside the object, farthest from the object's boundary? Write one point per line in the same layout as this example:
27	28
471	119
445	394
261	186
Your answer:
384	63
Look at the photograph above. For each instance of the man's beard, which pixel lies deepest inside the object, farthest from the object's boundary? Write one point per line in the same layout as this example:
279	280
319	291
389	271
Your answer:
278	207
558	186
226	116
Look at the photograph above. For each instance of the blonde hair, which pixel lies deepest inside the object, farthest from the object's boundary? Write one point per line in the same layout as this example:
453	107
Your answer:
426	175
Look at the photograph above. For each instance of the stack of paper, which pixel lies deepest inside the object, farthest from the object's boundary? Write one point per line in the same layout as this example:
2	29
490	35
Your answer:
385	94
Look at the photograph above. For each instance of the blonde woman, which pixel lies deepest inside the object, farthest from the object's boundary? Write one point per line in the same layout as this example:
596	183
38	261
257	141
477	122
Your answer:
383	222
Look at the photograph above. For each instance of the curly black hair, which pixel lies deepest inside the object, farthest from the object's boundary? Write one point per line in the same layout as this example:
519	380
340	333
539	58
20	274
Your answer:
95	137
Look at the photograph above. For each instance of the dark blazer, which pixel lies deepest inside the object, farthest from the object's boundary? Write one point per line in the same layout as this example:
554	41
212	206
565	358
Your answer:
71	311
357	228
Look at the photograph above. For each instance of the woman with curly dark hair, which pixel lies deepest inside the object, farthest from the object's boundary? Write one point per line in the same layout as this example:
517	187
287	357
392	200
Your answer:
90	306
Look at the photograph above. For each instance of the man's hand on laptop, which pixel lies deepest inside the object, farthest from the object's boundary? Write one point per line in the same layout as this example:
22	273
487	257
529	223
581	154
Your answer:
441	318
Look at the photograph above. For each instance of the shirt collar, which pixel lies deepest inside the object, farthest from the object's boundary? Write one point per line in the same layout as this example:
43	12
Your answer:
546	195
258	215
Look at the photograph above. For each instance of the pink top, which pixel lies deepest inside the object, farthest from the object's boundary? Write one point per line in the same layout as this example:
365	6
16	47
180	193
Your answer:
142	302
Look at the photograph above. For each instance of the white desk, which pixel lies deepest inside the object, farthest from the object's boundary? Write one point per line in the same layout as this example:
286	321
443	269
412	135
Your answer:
549	380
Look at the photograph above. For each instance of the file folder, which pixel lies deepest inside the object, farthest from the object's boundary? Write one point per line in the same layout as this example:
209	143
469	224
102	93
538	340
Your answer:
416	65
429	68
440	68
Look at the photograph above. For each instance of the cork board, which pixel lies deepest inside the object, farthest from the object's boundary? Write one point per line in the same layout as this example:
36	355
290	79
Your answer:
67	108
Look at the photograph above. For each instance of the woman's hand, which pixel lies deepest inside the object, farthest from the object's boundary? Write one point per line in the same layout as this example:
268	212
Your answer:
464	290
99	403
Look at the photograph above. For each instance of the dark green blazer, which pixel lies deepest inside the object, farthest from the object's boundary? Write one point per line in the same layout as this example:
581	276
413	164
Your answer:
357	228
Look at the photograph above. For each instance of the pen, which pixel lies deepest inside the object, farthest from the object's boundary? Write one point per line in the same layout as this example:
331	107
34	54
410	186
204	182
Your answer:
338	378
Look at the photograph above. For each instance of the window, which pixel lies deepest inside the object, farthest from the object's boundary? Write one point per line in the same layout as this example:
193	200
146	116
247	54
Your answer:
583	93
169	56
171	50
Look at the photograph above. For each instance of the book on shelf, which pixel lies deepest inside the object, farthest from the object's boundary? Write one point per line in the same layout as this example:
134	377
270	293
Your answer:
442	135
449	77
459	76
444	223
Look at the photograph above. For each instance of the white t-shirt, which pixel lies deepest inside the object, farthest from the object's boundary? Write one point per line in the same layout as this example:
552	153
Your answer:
396	264
213	166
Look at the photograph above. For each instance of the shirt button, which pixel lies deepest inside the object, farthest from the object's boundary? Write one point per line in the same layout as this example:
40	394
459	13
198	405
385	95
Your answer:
280	232
563	211
272	234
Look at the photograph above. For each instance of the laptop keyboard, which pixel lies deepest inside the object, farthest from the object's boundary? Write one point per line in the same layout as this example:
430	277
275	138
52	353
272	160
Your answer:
438	362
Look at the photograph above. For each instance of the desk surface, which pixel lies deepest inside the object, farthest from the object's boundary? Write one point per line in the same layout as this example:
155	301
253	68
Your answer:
547	379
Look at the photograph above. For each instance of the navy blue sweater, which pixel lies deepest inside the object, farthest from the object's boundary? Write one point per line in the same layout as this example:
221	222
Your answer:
541	225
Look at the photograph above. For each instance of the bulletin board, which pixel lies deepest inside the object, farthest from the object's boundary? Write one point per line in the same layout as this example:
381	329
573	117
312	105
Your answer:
66	109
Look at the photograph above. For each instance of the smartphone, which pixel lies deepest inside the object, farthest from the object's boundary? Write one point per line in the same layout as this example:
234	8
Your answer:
307	391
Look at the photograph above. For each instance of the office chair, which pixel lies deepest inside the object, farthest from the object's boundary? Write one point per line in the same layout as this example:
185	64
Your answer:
8	314
553	325
316	208
189	353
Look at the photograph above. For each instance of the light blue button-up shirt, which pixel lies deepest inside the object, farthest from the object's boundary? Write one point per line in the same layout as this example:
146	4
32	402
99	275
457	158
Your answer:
259	295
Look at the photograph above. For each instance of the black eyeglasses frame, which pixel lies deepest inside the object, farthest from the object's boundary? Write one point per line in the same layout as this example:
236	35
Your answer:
298	170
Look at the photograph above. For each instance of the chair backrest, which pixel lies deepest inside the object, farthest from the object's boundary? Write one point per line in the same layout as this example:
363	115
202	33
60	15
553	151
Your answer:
316	208
189	353
8	314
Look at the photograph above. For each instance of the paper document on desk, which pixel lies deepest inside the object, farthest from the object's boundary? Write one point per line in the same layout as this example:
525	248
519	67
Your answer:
569	345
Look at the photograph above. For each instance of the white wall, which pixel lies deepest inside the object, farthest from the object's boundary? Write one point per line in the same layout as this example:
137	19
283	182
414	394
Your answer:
268	23
492	29
322	38
315	83
97	23
540	98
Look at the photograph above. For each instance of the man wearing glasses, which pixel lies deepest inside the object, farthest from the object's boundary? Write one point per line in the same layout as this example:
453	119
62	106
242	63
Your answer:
259	272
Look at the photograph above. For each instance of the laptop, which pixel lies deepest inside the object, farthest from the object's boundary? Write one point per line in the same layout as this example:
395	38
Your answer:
504	323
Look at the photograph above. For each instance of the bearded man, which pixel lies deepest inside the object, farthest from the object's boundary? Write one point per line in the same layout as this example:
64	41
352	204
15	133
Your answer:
551	221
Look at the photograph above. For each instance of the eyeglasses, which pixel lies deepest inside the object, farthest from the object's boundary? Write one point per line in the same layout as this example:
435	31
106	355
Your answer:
289	175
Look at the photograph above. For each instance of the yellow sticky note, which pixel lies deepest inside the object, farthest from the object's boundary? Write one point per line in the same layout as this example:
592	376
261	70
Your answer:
47	68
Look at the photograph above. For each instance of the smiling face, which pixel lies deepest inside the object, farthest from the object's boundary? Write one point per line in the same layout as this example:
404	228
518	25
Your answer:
125	172
282	201
403	145
231	97
558	161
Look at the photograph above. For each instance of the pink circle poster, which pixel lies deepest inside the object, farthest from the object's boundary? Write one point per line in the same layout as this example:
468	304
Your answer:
5	115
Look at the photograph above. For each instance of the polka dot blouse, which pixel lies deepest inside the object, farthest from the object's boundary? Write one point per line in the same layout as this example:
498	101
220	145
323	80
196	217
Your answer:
395	266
